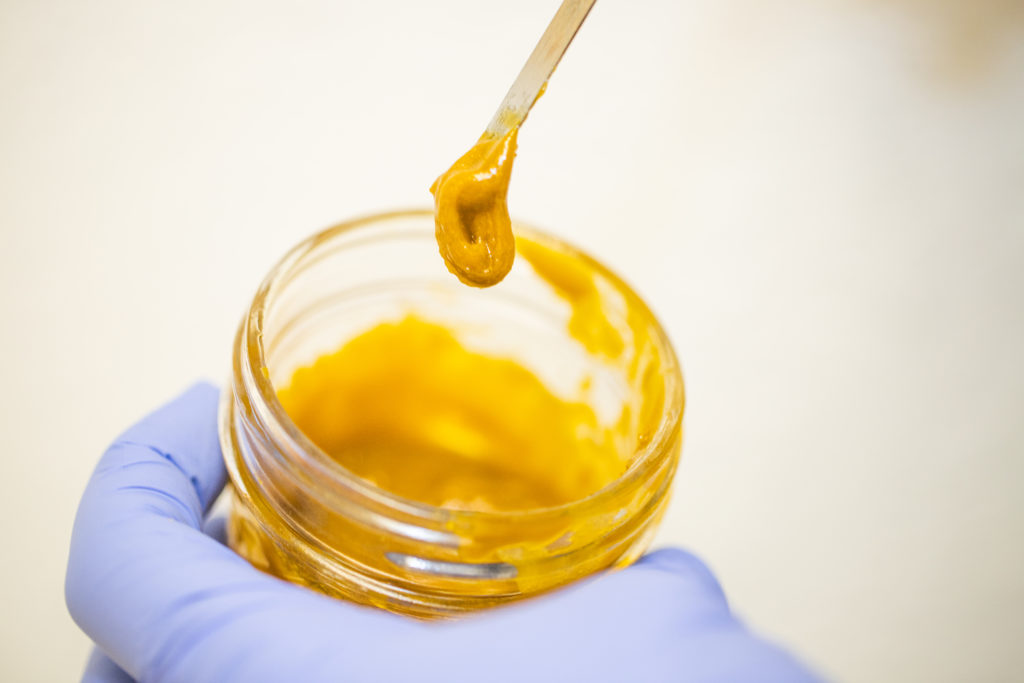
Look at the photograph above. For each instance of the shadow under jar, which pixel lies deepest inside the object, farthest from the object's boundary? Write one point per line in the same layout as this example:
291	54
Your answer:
299	514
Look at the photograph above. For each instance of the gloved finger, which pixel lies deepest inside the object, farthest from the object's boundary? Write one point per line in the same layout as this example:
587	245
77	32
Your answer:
100	669
665	618
682	563
184	448
167	602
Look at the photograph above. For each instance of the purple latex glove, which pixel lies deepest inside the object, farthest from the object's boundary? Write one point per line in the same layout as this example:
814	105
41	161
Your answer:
166	602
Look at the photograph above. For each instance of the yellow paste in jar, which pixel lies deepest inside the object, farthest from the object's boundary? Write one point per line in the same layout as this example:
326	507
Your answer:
471	220
407	407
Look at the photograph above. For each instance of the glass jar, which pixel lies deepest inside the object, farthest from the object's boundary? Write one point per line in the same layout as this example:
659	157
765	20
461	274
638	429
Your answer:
297	513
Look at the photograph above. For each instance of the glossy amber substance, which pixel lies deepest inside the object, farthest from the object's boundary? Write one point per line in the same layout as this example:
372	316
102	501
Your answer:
474	231
573	281
406	406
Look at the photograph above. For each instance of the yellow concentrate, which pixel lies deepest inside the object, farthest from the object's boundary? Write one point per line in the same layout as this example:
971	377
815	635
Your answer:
473	228
407	407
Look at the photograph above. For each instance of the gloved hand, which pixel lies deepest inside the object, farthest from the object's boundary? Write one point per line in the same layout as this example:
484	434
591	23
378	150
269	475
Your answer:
167	602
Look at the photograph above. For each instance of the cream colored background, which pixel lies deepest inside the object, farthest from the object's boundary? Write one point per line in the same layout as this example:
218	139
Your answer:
823	200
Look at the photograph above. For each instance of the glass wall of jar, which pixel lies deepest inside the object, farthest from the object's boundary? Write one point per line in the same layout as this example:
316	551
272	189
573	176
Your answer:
299	514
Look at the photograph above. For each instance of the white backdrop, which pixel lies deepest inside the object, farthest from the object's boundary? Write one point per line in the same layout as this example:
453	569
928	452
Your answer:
823	200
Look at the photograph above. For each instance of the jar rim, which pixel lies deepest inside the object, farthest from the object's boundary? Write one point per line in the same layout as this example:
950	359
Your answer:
646	459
